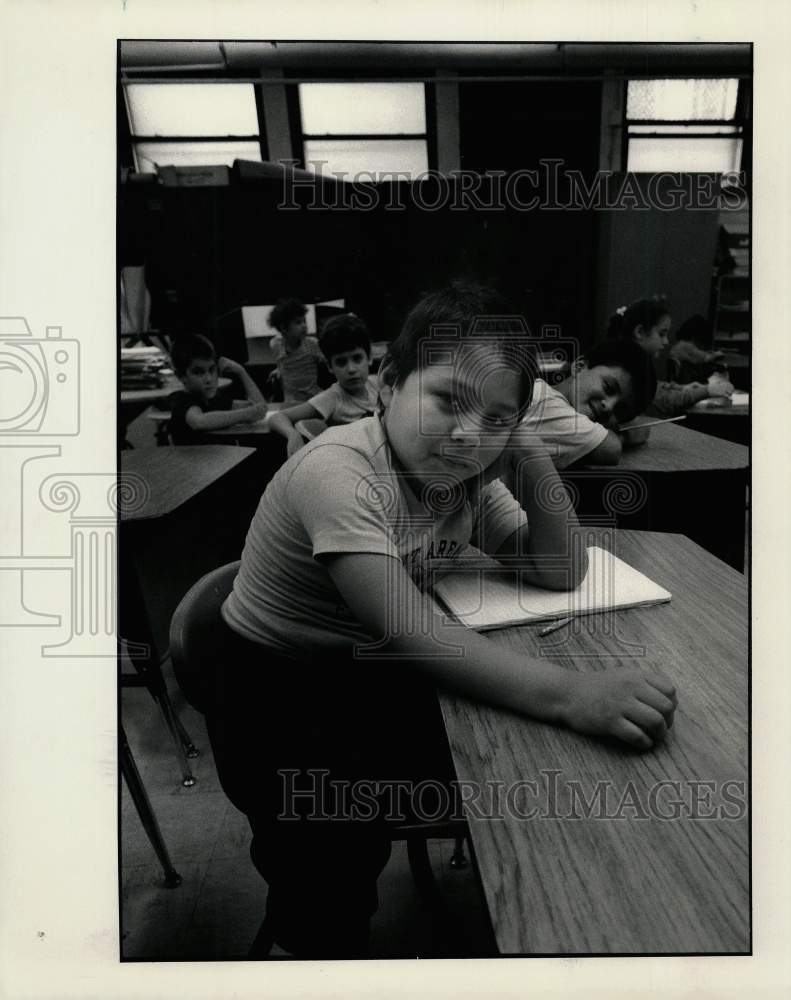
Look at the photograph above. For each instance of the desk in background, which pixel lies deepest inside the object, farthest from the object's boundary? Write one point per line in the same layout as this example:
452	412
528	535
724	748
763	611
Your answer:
679	481
640	883
731	423
199	501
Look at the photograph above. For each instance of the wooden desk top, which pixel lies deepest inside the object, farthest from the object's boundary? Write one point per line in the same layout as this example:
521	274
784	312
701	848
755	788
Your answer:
639	883
175	475
675	448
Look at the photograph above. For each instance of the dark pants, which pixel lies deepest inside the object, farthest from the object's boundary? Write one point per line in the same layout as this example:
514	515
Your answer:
313	754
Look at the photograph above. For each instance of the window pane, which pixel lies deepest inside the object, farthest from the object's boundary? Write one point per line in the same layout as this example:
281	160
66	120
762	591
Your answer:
362	108
690	129
680	155
355	156
192	109
192	154
679	99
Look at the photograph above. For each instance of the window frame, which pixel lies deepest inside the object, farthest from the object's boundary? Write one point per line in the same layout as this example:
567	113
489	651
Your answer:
739	123
135	139
299	136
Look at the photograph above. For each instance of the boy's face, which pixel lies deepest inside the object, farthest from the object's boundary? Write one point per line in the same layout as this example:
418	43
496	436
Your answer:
200	378
296	330
599	390
654	341
445	421
351	369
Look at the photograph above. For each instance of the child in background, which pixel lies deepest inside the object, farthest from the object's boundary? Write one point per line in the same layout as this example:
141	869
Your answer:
692	360
647	322
202	406
334	644
579	418
346	345
296	354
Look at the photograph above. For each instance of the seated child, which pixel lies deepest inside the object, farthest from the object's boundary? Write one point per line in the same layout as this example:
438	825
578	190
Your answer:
335	646
579	418
296	354
647	323
347	348
692	361
201	406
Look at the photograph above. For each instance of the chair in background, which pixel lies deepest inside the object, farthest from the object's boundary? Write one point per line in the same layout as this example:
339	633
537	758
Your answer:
195	645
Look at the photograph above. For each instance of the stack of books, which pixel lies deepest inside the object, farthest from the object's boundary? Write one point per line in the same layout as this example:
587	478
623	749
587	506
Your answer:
143	368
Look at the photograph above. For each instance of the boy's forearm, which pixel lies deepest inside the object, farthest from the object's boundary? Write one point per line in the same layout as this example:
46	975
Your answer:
555	562
485	671
214	421
279	422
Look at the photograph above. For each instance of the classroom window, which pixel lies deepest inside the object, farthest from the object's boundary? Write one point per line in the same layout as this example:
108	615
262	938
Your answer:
357	127
192	124
683	125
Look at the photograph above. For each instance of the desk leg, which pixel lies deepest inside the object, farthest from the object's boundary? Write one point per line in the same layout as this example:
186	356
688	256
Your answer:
143	805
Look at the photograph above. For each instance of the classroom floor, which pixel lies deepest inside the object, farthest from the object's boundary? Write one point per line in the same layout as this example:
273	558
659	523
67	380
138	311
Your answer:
216	911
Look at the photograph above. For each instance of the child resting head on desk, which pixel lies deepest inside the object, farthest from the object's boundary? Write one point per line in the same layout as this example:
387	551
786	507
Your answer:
647	323
346	345
578	419
202	406
334	644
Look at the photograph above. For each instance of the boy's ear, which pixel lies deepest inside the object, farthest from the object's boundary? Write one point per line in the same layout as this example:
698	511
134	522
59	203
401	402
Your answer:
579	365
383	382
639	332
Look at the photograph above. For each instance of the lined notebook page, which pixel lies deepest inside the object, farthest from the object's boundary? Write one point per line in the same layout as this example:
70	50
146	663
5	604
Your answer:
486	596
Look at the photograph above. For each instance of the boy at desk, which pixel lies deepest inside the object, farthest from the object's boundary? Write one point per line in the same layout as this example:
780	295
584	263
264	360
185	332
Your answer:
346	345
580	417
296	354
203	406
334	645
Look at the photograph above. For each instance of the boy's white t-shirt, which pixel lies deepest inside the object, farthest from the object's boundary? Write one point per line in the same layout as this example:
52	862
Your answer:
337	406
341	493
568	435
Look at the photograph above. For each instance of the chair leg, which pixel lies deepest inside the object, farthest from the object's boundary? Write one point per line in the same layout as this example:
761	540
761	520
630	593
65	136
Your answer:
457	859
422	873
143	805
180	737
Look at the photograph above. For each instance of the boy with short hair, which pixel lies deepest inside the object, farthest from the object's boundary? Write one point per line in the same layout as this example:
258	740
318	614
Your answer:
201	406
296	354
579	418
346	345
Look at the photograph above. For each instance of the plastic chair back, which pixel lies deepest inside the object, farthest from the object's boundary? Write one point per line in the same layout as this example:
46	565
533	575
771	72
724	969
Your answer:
195	639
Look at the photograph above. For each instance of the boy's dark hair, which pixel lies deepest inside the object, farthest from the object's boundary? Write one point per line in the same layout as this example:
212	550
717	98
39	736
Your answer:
635	362
697	329
463	311
188	348
645	312
284	312
344	333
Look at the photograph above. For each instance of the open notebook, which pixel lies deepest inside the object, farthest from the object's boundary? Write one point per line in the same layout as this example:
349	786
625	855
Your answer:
486	596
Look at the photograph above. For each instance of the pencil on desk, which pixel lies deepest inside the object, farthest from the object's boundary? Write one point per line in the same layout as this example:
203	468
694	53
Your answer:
554	626
653	423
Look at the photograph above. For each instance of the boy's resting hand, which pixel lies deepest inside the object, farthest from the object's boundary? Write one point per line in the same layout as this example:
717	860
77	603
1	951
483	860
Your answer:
635	706
253	413
718	385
